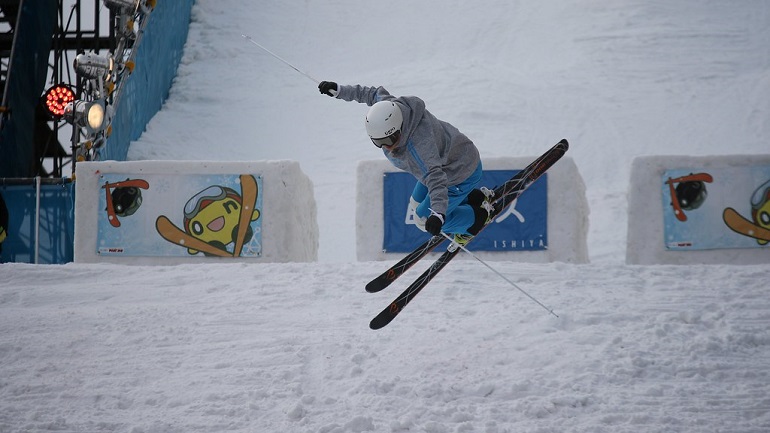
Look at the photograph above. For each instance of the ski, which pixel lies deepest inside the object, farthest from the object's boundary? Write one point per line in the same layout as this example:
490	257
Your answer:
697	177
504	195
742	225
249	191
402	266
391	311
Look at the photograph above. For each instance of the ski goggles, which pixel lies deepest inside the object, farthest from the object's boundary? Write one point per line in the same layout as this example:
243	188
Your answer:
195	204
390	140
761	195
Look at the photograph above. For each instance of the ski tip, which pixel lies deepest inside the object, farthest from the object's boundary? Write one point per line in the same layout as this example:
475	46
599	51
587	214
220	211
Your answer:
375	326
564	142
377	284
381	320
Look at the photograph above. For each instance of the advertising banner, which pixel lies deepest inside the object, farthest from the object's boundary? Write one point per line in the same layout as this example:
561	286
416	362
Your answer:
522	227
179	215
716	208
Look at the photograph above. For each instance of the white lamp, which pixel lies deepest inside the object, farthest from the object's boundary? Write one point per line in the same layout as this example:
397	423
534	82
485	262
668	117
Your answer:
88	115
91	65
123	5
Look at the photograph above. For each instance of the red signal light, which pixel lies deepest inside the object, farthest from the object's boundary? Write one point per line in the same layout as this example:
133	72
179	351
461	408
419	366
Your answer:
56	98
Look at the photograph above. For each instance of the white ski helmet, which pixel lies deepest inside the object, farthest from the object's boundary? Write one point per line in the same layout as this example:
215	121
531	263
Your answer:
383	123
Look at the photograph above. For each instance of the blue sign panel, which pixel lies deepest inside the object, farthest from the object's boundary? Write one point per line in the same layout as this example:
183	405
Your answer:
56	229
521	227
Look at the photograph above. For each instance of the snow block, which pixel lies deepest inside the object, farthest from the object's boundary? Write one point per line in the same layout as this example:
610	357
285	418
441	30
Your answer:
646	237
567	213
287	225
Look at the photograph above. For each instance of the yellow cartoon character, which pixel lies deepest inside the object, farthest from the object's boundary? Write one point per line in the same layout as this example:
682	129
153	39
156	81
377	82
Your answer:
215	218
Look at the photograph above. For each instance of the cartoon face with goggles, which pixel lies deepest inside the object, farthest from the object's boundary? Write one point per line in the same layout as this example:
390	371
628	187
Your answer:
212	216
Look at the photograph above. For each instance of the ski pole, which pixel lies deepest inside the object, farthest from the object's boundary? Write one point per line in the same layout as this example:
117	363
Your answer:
501	275
248	38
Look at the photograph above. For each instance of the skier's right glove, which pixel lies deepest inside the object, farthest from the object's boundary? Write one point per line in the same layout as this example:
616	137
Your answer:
328	88
434	223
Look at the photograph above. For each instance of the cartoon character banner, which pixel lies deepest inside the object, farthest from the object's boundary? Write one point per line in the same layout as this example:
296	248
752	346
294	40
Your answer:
180	215
523	226
716	208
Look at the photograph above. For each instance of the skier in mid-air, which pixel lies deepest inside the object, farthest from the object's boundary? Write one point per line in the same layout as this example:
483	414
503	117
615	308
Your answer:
444	161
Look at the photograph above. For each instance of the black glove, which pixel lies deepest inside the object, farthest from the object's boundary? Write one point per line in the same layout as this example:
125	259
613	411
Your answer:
434	223
328	88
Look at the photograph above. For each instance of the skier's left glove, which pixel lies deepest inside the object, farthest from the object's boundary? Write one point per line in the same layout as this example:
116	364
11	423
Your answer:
434	223
328	88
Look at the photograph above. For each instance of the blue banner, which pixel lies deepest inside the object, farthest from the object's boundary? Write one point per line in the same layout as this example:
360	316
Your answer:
521	227
56	223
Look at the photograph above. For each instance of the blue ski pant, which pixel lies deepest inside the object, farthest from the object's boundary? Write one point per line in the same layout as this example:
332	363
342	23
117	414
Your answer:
460	215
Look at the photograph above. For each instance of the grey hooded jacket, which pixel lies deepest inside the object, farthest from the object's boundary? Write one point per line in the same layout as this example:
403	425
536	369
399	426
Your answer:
433	151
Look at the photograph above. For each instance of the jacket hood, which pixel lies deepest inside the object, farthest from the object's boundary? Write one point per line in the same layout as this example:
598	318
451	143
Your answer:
412	109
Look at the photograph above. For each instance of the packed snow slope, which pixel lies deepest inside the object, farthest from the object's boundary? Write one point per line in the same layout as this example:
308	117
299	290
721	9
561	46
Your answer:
268	347
618	79
286	348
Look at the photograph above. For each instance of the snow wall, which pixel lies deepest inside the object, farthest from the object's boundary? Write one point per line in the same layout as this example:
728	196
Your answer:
649	206
567	224
286	228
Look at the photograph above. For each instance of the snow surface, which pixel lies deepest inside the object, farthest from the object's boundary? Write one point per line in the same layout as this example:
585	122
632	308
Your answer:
286	347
